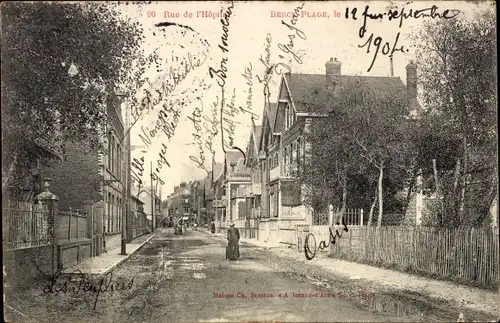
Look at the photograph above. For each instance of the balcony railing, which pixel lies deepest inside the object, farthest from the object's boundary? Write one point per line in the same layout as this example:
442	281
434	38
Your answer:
255	213
241	191
281	171
274	173
256	189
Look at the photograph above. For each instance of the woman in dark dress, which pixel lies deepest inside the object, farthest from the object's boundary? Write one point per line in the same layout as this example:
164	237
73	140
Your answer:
233	238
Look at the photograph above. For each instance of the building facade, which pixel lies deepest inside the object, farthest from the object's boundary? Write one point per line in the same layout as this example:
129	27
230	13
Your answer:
181	203
84	177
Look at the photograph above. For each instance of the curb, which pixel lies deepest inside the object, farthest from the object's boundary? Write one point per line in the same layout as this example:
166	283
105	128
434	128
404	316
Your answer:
119	262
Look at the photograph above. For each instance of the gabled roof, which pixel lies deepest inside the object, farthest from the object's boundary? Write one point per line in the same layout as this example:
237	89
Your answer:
218	170
257	134
253	142
271	114
233	156
309	92
268	118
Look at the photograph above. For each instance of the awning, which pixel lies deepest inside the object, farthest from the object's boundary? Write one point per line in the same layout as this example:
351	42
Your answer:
185	218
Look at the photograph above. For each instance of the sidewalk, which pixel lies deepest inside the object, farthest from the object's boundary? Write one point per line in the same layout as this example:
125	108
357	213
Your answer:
460	295
109	260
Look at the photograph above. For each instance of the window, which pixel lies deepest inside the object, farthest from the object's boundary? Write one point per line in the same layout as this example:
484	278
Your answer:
298	153
108	228
113	161
109	151
271	204
294	151
119	163
112	215
119	216
287	117
291	160
275	162
117	158
285	155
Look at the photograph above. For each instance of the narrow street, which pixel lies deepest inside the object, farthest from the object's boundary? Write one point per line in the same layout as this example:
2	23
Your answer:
186	279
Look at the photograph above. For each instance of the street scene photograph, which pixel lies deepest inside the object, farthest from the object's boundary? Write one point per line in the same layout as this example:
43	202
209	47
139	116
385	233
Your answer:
250	161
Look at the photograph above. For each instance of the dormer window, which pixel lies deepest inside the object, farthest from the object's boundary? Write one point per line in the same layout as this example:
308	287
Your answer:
289	117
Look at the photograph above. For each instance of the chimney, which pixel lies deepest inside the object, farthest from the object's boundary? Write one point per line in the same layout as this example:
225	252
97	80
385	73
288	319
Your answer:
411	80
333	67
392	66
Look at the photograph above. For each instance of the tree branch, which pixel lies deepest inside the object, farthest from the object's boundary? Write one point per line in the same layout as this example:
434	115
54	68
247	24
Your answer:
368	157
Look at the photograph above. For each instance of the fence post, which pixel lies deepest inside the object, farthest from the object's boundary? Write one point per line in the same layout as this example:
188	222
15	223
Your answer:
50	200
69	224
77	214
361	211
330	215
88	207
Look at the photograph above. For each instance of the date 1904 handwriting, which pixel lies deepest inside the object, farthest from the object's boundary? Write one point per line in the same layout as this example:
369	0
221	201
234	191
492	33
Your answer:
385	47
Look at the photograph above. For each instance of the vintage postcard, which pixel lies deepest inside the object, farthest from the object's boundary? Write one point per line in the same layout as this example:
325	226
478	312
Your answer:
250	161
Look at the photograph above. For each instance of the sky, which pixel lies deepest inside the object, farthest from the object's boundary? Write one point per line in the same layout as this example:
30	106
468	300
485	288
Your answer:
304	44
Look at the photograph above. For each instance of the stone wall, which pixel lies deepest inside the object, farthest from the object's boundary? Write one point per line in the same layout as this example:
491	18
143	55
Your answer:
20	265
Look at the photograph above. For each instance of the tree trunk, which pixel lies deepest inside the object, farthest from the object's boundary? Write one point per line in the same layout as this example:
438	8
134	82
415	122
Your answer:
7	176
456	176
464	183
372	208
413	180
438	192
436	179
454	197
344	192
380	195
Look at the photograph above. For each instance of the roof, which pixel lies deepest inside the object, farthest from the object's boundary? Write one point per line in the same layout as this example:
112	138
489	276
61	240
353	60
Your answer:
255	141
271	113
218	170
133	197
309	93
233	156
258	133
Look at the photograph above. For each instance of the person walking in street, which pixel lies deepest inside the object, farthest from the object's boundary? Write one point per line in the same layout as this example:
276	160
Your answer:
233	239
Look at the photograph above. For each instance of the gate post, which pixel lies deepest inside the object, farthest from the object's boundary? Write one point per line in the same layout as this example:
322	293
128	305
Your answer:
88	208
51	202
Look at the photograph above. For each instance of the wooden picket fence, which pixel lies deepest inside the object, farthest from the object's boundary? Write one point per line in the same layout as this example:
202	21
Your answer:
71	225
467	255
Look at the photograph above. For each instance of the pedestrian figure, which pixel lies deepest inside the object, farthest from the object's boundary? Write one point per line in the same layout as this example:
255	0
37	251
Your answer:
212	227
233	238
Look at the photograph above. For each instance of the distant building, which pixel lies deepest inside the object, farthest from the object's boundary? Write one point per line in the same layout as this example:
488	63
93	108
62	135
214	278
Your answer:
181	203
152	203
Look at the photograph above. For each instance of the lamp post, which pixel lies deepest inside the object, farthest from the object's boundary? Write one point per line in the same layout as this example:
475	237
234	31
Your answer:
152	200
125	184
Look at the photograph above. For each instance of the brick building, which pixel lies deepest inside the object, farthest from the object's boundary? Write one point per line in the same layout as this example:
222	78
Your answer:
181	203
97	178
